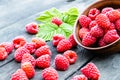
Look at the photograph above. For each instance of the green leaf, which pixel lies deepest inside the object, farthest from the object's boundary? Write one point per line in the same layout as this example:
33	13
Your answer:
73	11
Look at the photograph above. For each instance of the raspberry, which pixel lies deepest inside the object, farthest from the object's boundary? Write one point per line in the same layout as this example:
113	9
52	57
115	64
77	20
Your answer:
103	21
43	61
49	74
105	10
82	32
28	58
19	75
3	53
71	56
19	53
117	24
61	62
96	31
88	40
79	77
92	24
93	13
57	21
84	21
29	69
91	71
42	51
111	36
64	45
38	42
32	28
19	41
112	26
72	40
102	42
57	38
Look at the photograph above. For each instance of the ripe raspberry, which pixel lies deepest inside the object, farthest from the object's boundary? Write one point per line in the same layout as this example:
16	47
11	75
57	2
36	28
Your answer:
19	53
61	62
84	21
79	77
72	40
43	61
57	38
38	42
19	75
82	32
91	71
3	53
19	41
64	45
112	26
102	42
32	28
105	10
117	24
57	21
71	56
42	51
118	9
103	21
92	24
29	69
49	74
93	13
88	40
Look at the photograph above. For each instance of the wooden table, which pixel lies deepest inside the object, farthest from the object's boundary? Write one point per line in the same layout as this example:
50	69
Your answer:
15	14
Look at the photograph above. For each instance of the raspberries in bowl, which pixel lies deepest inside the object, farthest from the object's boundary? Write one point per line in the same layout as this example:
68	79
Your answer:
98	27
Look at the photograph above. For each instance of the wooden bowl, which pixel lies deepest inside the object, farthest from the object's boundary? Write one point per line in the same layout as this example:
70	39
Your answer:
110	48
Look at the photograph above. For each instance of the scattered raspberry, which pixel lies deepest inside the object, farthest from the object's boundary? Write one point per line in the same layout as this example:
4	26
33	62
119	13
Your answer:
117	24
19	75
32	28
19	41
61	62
82	32
29	69
84	21
91	71
102	42
93	13
49	74
72	40
57	21
3	53
64	45
106	9
71	56
57	38
92	24
79	77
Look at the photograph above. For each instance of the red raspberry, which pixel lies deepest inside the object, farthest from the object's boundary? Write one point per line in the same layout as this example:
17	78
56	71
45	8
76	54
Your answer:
57	38
28	58
71	56
91	71
72	40
117	24
3	53
92	24
19	41
82	32
106	9
88	40
79	77
49	74
43	61
61	62
57	21
32	28
19	53
102	42
118	9
112	26
84	21
64	45
93	13
29	69
103	21
19	75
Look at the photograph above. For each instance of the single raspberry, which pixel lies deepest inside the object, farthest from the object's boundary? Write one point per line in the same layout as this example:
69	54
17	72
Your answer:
103	21
106	9
91	71
88	40
57	38
43	61
28	58
57	21
3	53
19	41
49	74
117	24
42	51
61	62
71	56
93	13
64	45
84	21
79	77
112	26
72	40
38	42
32	28
102	42
19	53
19	75
92	24
29	69
82	32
